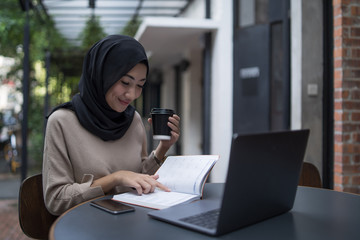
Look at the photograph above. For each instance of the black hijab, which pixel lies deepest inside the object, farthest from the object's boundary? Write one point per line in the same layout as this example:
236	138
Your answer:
105	63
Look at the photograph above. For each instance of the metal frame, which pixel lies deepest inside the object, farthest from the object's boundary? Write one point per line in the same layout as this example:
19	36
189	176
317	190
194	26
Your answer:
328	96
70	16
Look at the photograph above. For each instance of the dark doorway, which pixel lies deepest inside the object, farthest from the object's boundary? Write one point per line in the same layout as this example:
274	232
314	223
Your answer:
261	66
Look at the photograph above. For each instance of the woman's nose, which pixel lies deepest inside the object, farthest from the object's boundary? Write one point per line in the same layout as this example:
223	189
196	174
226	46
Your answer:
130	93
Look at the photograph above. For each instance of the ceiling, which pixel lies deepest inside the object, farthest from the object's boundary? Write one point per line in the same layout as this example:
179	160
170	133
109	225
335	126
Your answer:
182	35
70	16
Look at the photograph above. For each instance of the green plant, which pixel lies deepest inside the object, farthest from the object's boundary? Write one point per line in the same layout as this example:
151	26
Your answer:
43	36
92	32
36	132
131	27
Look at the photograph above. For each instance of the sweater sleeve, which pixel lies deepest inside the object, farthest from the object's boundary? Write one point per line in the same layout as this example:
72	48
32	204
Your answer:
61	191
149	164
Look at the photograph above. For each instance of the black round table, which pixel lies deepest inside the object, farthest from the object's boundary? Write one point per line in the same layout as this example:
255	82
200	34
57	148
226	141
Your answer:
317	214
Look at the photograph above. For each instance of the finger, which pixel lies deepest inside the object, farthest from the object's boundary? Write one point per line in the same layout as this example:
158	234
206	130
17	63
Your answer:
175	119
150	120
152	188
138	189
146	187
160	185
174	127
175	135
153	185
156	177
163	187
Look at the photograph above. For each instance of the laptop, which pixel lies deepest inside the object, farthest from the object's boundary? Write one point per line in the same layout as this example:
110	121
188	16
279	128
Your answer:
261	183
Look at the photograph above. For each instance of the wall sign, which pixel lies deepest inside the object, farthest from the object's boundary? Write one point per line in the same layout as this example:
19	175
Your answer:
249	81
250	72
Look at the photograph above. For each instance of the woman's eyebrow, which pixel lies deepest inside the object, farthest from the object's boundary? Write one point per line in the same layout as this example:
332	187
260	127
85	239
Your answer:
144	79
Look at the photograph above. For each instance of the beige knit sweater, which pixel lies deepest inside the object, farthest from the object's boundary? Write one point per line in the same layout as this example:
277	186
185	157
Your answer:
74	158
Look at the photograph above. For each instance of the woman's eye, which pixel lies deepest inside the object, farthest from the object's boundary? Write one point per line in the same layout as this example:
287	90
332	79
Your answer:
140	86
125	83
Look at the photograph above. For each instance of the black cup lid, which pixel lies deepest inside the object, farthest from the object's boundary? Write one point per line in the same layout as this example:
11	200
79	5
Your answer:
162	111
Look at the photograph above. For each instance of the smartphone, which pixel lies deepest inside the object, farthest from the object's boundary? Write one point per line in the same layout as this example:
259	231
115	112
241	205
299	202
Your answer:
112	206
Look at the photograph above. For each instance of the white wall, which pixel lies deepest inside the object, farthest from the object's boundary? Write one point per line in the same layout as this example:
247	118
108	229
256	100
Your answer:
168	89
312	79
222	88
192	107
307	74
167	94
296	50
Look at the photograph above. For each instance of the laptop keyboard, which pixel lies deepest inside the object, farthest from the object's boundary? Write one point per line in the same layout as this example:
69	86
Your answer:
207	219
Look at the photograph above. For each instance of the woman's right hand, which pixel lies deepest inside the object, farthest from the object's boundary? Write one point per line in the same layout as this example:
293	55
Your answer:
142	183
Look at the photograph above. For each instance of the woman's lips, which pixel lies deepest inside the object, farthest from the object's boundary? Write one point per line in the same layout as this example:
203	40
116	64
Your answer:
124	102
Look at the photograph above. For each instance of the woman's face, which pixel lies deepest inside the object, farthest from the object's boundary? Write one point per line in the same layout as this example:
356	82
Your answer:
127	89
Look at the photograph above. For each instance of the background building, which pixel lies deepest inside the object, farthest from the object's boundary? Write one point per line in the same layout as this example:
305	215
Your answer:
249	66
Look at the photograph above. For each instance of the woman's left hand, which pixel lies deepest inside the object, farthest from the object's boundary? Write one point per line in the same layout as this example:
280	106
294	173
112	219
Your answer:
174	124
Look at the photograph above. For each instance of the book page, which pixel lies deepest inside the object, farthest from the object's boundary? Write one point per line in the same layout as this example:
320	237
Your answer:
156	200
186	174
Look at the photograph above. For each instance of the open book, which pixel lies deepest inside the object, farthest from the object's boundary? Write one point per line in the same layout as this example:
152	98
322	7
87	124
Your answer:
184	175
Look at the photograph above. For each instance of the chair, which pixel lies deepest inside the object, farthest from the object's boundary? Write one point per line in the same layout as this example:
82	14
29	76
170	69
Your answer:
310	176
34	218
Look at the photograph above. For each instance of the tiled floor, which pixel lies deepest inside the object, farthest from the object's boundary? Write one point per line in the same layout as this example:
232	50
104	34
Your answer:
9	221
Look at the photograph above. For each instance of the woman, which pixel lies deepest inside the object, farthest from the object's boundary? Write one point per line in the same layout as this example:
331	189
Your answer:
96	144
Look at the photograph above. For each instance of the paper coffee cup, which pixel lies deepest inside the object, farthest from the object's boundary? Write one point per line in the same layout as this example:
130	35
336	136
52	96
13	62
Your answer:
160	118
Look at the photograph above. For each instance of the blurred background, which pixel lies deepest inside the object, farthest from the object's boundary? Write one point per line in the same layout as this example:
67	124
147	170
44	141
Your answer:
225	66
